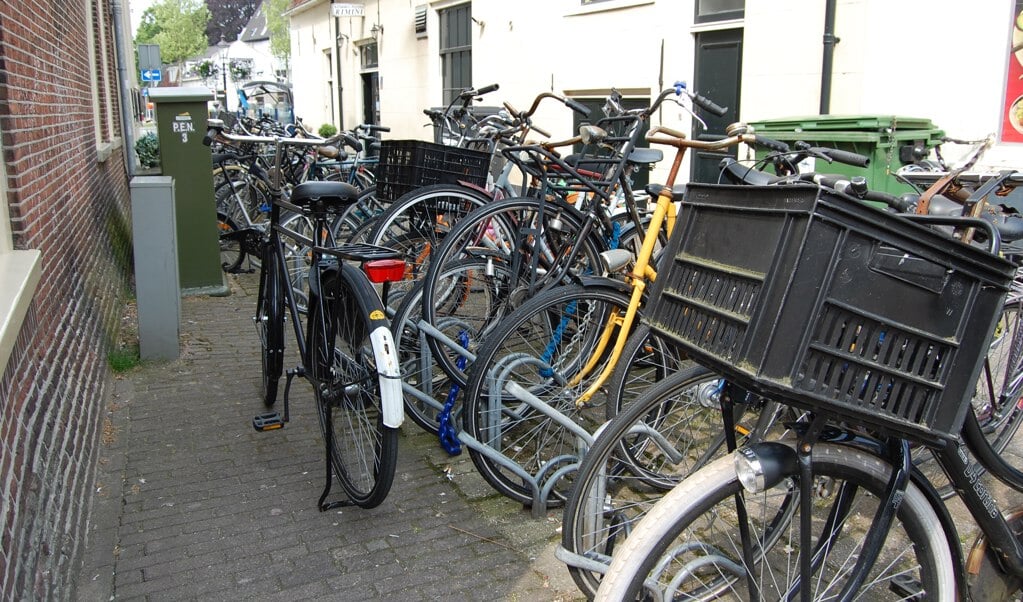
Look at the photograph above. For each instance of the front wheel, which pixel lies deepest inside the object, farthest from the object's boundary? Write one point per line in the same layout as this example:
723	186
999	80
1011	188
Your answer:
688	546
270	325
349	397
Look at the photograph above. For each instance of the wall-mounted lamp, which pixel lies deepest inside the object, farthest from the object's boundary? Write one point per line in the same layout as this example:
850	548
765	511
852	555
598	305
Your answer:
376	30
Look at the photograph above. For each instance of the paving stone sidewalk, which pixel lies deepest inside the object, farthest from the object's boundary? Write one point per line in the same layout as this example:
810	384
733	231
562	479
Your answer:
191	503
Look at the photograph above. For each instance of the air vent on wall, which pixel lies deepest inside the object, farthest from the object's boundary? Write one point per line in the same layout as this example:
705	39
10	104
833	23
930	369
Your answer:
421	21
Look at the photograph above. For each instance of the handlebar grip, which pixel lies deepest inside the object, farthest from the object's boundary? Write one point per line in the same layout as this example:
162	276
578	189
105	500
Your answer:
846	157
578	107
375	128
471	92
709	105
775	145
540	131
486	89
897	203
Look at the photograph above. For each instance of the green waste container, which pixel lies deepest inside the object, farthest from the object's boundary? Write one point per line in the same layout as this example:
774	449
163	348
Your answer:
890	142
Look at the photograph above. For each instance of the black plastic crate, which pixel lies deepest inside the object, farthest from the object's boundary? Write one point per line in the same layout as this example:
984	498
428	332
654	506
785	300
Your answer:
827	303
409	164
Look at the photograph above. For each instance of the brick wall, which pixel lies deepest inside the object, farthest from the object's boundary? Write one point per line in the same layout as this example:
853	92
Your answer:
73	207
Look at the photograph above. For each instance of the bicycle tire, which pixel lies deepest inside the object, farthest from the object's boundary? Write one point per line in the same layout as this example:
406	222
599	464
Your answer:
416	223
359	218
996	404
627	470
543	347
231	253
646	359
269	321
363	450
705	501
500	221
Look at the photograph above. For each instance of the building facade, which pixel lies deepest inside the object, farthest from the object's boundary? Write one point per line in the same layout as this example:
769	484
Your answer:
64	271
387	60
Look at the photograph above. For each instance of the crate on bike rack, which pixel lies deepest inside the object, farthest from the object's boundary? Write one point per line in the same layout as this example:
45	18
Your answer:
409	164
826	303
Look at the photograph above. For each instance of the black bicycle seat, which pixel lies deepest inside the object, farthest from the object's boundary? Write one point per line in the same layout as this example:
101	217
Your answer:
645	156
336	195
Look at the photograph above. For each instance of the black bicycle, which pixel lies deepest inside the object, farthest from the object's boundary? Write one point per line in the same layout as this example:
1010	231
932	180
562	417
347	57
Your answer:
346	350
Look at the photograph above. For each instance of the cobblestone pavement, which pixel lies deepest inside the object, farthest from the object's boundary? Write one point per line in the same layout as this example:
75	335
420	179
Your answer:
192	503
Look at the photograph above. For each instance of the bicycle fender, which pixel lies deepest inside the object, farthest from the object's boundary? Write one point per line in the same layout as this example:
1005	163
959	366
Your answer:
386	353
600	282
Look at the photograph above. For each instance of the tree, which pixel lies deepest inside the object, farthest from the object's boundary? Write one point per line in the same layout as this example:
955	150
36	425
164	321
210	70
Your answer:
280	29
178	26
228	18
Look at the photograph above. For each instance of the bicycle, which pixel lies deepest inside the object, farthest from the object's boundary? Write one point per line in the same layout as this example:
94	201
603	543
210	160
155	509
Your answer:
837	509
346	350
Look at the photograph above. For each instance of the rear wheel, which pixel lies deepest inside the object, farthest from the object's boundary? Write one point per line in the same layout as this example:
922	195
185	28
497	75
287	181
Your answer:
363	450
231	253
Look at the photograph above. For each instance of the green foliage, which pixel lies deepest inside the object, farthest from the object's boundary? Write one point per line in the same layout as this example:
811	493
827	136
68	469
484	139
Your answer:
326	130
240	69
280	31
148	149
122	359
207	69
178	26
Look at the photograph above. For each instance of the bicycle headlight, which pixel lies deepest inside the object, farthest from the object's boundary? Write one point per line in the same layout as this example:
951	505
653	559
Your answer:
762	466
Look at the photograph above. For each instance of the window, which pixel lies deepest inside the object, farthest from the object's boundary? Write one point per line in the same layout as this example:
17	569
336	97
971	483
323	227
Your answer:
368	56
19	275
719	10
455	50
103	80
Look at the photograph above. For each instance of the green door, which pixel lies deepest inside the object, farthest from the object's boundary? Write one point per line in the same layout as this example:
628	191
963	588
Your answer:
717	73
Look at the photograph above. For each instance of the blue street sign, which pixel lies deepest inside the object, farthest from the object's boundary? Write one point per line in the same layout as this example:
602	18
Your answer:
151	75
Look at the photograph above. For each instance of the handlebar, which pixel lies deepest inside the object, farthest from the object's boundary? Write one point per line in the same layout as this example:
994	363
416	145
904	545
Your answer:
471	92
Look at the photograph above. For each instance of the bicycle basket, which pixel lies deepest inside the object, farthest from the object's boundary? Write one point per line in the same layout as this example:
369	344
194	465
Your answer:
409	164
830	305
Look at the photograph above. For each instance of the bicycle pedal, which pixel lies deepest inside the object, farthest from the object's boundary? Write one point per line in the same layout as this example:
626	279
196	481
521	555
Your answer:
270	421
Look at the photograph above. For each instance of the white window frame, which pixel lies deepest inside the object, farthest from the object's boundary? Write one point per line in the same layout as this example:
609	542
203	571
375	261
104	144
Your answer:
19	276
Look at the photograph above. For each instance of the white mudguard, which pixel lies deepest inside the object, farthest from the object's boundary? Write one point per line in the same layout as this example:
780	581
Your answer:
390	376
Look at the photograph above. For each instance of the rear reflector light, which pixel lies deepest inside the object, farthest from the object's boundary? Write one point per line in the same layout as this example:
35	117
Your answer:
384	270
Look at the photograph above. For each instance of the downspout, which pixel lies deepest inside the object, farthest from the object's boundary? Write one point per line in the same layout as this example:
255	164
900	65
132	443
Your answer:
340	87
829	55
127	127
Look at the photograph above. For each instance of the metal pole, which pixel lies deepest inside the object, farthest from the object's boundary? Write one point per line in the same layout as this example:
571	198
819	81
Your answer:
829	56
127	127
340	87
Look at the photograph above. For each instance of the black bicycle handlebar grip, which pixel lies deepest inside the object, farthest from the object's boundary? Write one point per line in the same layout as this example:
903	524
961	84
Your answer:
897	203
854	159
709	105
771	143
578	107
479	91
369	127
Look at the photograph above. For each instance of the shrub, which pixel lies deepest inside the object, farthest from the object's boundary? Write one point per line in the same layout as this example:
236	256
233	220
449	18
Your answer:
326	130
148	149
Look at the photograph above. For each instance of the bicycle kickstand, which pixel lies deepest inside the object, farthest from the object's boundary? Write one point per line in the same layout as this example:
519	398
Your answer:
328	443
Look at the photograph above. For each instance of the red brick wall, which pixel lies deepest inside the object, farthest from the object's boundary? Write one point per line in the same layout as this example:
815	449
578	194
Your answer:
74	208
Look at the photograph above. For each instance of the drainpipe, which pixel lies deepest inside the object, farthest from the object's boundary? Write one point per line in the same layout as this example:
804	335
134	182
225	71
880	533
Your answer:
127	127
829	55
340	87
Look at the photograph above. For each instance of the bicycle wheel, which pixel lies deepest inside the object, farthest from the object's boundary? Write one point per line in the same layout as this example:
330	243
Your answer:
671	430
231	254
416	223
689	544
417	366
504	237
996	402
646	359
363	450
359	218
547	351
269	321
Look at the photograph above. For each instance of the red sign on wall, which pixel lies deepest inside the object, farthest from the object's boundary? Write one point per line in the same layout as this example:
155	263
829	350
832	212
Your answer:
1012	103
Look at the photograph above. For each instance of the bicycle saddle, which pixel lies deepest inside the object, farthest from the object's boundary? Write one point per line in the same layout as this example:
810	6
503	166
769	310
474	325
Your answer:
336	195
737	173
677	191
645	156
